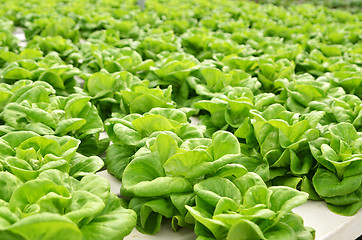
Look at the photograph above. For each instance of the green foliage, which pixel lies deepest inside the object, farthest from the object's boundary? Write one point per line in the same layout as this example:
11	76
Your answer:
56	205
277	92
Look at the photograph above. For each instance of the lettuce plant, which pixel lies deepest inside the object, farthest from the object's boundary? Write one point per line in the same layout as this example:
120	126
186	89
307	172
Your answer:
343	109
172	170
141	99
24	89
212	82
270	70
29	64
33	104
314	63
348	78
112	37
303	90
60	116
247	64
132	132
123	93
173	69
283	138
32	109
106	91
243	207
113	59
204	44
47	44
55	26
27	154
338	178
157	43
232	111
56	205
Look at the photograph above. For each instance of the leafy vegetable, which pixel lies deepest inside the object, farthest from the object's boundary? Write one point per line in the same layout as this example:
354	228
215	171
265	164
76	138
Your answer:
59	206
134	131
340	160
26	155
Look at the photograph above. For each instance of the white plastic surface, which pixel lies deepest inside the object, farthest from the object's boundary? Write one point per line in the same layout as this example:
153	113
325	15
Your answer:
19	33
328	226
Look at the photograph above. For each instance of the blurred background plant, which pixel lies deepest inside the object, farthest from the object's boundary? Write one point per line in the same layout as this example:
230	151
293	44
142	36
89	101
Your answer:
352	5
